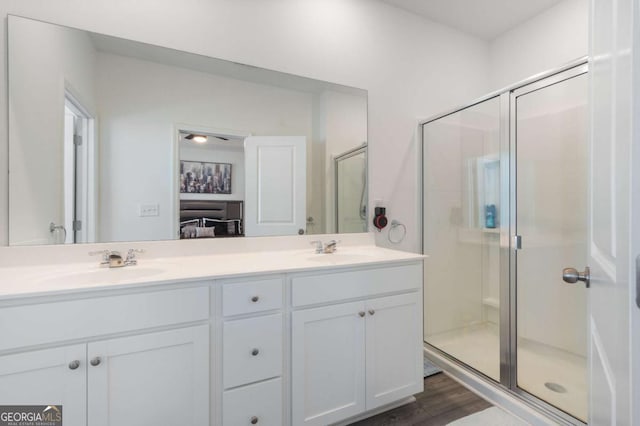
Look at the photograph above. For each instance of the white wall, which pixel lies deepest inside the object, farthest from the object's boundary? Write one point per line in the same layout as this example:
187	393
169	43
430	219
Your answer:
140	102
546	41
39	77
411	67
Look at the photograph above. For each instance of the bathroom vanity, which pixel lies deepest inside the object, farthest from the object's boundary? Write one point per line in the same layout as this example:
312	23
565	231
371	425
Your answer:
277	337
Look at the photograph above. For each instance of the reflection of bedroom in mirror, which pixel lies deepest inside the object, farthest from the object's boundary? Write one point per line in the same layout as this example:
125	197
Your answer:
211	190
122	183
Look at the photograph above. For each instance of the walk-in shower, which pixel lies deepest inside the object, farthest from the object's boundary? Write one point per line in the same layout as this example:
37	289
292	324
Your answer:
504	211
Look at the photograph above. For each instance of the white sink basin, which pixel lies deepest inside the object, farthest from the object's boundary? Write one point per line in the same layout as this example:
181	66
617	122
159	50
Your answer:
104	275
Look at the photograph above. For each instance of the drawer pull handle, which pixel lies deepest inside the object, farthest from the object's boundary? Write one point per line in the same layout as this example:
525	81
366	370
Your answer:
371	312
254	299
254	420
95	361
362	313
74	364
255	352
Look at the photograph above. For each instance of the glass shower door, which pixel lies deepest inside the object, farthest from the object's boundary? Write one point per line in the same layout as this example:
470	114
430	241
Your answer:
461	190
551	218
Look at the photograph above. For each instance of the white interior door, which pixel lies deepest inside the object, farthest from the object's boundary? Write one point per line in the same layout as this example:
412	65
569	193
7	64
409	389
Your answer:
611	213
275	195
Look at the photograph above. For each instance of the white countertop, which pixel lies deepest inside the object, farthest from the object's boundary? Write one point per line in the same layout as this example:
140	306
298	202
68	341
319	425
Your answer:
53	279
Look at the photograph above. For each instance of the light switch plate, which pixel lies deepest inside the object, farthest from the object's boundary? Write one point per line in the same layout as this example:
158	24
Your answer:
148	210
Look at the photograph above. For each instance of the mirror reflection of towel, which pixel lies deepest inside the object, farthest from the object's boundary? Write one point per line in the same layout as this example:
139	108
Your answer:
197	232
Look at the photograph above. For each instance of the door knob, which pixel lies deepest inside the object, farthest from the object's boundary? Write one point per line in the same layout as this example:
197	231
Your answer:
95	361
74	364
572	276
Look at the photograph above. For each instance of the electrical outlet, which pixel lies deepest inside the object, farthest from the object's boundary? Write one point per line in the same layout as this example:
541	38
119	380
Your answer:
148	210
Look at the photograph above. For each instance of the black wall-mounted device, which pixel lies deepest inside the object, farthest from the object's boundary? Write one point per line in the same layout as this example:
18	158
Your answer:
379	218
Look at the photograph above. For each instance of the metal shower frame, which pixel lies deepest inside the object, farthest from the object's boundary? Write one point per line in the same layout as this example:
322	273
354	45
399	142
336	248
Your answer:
508	302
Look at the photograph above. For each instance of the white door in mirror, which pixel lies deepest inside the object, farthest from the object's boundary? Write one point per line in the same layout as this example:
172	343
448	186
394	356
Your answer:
276	185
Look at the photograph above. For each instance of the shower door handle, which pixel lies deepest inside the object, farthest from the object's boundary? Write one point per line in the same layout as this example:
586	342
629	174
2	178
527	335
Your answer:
572	276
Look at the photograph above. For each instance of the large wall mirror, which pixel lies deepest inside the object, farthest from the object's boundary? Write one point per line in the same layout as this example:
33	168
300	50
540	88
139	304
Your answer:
116	140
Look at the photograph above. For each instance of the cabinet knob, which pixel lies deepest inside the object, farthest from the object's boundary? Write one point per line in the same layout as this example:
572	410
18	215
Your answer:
371	312
361	313
255	352
254	299
254	420
74	364
95	361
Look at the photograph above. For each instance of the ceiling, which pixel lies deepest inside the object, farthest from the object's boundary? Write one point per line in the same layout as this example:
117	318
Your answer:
486	19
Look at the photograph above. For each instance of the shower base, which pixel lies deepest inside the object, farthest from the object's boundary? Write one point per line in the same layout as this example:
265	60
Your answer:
539	365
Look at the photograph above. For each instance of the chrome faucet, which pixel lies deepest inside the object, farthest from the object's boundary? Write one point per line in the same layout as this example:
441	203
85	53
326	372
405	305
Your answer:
110	259
329	247
113	259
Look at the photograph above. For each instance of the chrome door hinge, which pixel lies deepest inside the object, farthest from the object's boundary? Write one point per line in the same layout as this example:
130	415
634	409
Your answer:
638	281
517	242
77	225
77	140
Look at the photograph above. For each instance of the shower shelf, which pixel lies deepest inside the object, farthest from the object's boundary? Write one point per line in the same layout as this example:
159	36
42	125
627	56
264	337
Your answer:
491	302
491	230
475	236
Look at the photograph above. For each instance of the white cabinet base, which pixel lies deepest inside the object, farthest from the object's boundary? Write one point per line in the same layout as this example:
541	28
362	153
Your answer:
394	349
328	364
351	358
376	411
261	402
44	377
150	379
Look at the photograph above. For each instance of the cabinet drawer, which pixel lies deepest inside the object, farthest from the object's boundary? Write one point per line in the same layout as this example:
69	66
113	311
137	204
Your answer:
75	319
338	286
252	350
261	403
250	297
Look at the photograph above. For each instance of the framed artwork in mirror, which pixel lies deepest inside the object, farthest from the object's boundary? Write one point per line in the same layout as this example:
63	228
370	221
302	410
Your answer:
205	178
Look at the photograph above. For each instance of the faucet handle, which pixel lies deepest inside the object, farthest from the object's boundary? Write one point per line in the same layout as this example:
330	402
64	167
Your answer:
105	253
131	256
318	245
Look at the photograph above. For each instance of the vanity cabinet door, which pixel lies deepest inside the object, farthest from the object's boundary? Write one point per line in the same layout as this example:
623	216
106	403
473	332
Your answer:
328	363
47	377
151	379
394	349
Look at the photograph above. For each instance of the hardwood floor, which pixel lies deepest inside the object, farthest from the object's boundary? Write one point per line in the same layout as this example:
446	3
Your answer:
443	401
